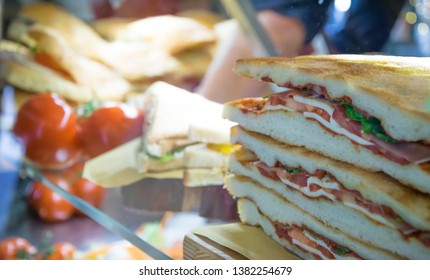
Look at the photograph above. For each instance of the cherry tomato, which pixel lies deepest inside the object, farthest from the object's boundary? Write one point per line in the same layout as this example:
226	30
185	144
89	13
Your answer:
90	192
110	126
47	125
49	205
15	248
61	251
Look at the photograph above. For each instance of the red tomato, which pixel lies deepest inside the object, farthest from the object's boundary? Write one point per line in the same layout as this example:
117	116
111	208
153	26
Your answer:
49	205
110	126
46	60
47	126
61	251
15	248
90	192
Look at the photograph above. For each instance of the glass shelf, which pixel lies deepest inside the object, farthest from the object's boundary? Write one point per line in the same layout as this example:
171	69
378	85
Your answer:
127	210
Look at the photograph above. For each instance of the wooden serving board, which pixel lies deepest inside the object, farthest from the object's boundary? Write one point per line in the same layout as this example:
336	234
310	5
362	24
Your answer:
234	241
197	247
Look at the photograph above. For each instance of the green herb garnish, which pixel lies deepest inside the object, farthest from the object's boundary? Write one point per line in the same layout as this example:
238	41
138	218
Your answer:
35	49
167	157
368	125
293	170
341	251
398	219
265	96
88	108
23	255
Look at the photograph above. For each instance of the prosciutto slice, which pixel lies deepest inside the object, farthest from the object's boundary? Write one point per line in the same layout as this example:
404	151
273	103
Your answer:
401	152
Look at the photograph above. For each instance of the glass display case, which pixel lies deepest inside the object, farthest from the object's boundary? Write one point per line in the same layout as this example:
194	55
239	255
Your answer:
151	216
112	57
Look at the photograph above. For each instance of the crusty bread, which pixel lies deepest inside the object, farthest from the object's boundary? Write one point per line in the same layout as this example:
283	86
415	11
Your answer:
190	63
340	216
203	166
22	72
202	16
278	209
110	27
393	89
14	47
169	112
214	130
200	156
294	129
167	32
379	188
202	177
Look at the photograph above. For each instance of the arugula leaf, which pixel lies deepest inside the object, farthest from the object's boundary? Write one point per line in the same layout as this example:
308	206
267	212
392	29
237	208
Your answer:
398	219
351	113
369	125
35	48
341	251
292	171
265	96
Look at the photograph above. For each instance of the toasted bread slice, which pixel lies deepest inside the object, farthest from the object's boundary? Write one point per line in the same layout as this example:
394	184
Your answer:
392	89
294	129
280	213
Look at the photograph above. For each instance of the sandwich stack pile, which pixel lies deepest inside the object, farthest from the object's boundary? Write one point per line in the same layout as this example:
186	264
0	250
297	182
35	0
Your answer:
338	165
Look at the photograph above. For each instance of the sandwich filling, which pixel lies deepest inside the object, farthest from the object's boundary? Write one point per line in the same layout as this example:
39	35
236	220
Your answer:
313	243
309	241
339	116
323	185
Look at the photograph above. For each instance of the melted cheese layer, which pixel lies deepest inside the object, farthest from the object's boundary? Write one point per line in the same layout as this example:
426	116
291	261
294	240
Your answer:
327	184
332	125
314	180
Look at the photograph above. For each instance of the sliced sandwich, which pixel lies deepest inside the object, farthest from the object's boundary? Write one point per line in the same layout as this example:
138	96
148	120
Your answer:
205	164
368	206
169	113
19	68
369	111
134	60
168	32
295	229
52	49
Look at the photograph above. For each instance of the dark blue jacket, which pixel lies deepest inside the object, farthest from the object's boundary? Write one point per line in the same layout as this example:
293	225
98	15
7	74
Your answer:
366	28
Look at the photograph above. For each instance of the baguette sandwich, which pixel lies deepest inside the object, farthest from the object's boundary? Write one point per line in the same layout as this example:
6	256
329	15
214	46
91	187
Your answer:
369	111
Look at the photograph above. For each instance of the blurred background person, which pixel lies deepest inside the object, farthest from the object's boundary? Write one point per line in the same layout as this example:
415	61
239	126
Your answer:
347	26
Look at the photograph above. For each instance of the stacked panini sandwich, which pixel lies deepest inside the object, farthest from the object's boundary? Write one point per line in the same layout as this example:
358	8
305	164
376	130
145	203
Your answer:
338	165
